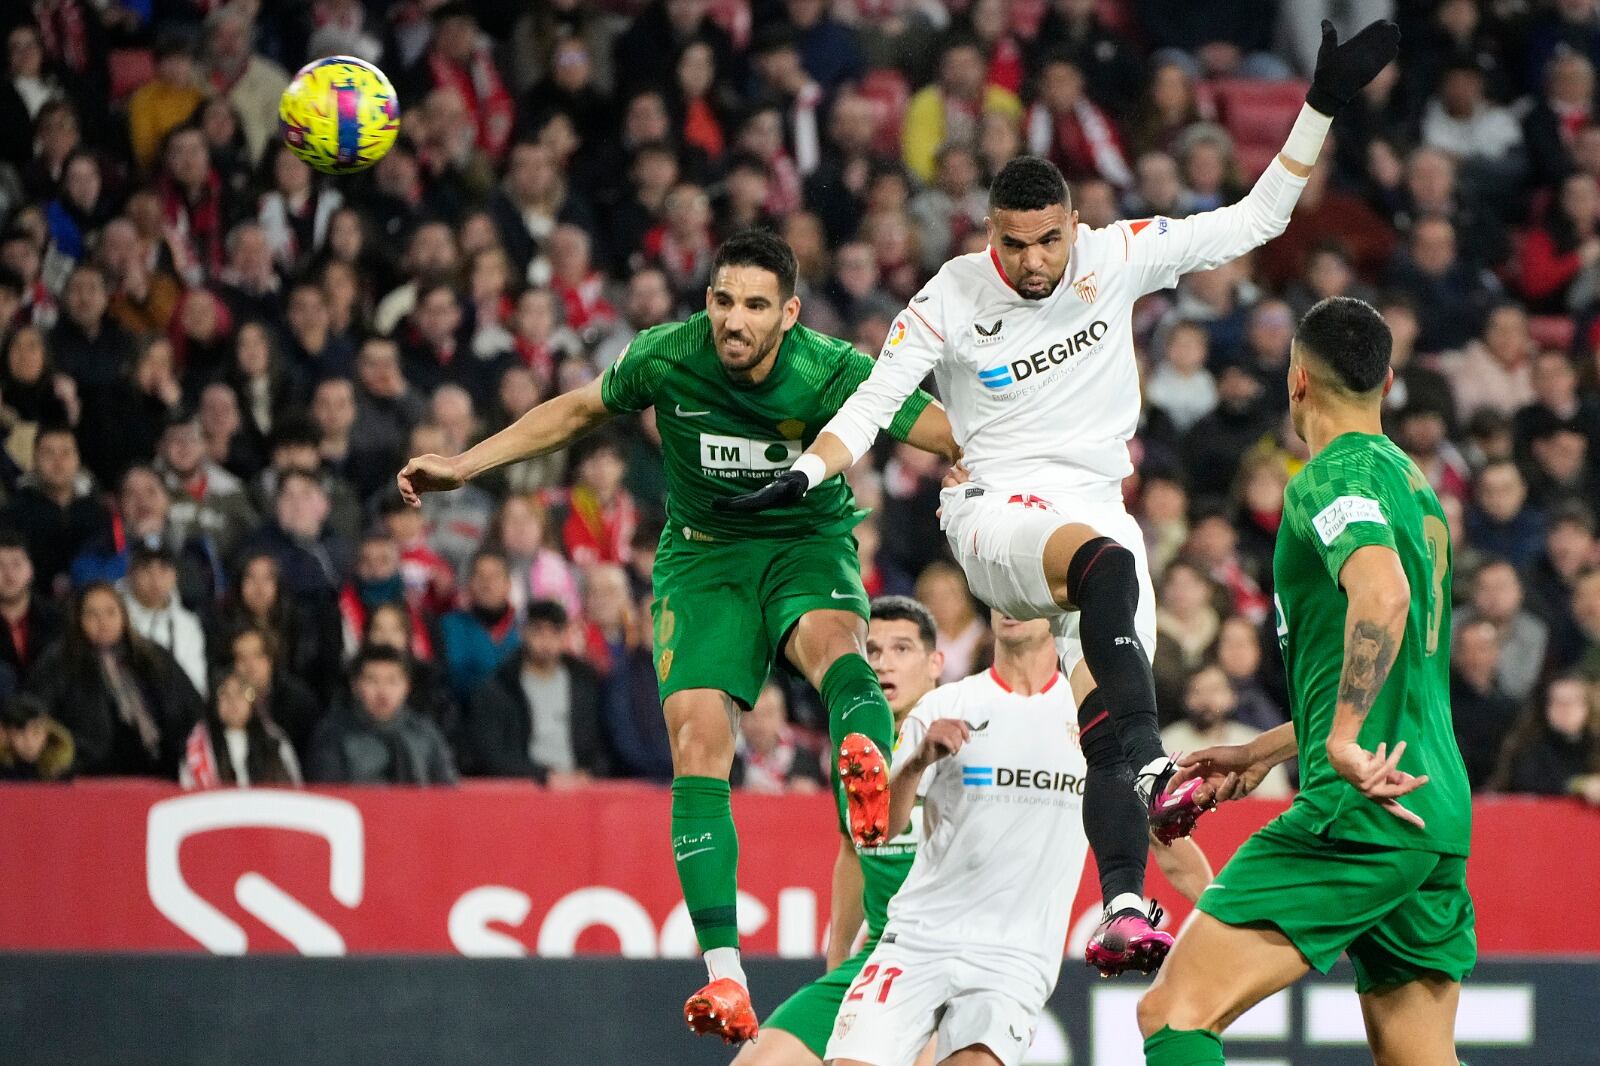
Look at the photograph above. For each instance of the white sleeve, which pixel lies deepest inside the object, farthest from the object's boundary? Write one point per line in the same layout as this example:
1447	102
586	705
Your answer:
1161	250
914	345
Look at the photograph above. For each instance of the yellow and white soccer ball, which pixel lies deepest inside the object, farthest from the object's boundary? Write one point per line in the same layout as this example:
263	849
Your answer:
339	114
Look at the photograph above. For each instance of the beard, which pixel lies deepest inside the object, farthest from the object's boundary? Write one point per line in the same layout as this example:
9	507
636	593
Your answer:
757	350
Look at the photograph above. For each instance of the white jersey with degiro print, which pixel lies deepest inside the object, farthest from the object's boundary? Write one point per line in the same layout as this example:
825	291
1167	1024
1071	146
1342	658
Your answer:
974	938
1043	394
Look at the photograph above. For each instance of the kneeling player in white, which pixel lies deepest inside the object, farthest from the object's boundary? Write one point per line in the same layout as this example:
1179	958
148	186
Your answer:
973	943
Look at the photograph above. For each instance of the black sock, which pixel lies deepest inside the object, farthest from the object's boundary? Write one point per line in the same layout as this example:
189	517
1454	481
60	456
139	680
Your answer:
1103	584
1113	818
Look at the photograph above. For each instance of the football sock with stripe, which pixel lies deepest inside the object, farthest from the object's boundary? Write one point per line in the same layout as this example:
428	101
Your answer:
1183	1047
705	847
1103	585
1113	818
855	703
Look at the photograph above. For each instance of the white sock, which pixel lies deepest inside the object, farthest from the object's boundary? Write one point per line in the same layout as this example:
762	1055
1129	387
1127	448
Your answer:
1154	767
724	962
1127	901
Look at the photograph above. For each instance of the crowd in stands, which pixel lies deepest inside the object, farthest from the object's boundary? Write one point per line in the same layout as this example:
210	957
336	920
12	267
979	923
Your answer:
213	360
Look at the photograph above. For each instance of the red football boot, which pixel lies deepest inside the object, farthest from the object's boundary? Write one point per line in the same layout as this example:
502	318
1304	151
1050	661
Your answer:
865	773
722	1007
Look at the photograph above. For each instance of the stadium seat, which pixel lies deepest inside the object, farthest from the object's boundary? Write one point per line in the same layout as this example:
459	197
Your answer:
130	68
1258	115
888	89
1552	331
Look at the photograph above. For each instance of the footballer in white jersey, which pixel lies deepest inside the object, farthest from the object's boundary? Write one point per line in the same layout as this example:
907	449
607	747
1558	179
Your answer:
973	943
1030	343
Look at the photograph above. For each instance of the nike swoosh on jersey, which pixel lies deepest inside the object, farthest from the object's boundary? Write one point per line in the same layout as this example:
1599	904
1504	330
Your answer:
836	594
681	413
681	855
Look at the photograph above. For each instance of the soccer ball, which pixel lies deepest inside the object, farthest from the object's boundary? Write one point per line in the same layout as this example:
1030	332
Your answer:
339	114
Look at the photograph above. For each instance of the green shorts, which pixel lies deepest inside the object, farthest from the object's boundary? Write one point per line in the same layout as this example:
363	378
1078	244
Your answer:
809	1014
1399	914
722	609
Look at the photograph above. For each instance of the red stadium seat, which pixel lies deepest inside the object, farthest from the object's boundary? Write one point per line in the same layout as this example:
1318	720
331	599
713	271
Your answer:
130	68
1258	115
1552	331
887	88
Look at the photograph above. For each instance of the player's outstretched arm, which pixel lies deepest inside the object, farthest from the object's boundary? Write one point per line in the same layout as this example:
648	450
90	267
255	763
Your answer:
1343	70
845	911
1184	864
1232	771
944	738
1375	623
1200	242
547	428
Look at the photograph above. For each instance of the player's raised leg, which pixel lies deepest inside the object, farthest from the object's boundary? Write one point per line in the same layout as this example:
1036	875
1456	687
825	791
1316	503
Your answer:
827	646
705	847
1413	1024
1112	815
1098	577
1215	973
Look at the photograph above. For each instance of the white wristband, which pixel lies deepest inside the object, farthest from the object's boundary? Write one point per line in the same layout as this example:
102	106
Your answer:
813	468
1305	139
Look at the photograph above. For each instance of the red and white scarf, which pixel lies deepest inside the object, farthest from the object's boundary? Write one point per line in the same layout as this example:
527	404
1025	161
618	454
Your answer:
485	95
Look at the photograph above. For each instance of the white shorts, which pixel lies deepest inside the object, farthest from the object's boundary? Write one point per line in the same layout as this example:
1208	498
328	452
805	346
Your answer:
906	994
999	541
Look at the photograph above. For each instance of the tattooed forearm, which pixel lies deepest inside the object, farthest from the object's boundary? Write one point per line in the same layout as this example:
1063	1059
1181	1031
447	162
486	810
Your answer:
1368	656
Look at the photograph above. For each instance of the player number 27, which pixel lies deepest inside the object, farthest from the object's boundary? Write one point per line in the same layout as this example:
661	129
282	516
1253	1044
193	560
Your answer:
870	974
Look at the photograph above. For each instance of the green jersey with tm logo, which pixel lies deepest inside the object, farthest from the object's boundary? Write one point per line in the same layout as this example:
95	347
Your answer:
721	438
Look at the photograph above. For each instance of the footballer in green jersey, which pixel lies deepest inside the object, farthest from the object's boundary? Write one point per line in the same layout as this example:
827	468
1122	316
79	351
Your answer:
902	647
1370	859
739	391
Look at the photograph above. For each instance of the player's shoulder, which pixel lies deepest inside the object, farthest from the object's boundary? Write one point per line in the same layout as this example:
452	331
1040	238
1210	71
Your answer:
1108	243
959	694
671	341
957	282
823	347
1353	460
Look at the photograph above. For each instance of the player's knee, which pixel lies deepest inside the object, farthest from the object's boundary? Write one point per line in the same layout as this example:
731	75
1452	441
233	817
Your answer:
822	638
699	752
1159	1008
702	742
1103	573
1152	1010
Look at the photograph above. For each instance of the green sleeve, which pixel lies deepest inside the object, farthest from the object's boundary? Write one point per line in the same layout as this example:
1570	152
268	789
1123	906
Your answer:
630	383
1337	509
857	368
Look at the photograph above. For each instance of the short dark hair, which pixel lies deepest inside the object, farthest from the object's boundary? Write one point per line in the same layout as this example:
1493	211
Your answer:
10	538
269	641
1028	183
487	555
545	612
296	432
760	248
52	428
906	609
371	654
21	709
1351	339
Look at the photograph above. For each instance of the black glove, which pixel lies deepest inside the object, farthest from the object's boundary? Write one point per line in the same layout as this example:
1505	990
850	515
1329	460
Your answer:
787	488
1344	69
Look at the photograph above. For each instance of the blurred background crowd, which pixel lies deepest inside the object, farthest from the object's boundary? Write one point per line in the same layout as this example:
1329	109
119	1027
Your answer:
213	361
